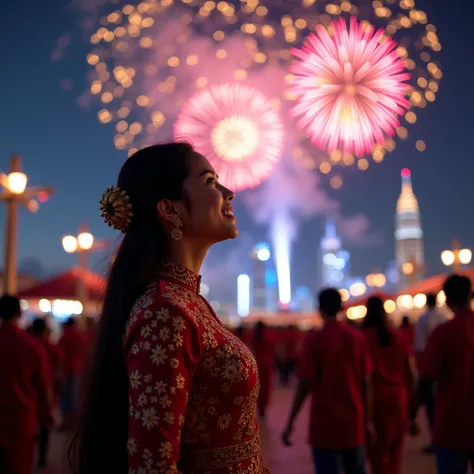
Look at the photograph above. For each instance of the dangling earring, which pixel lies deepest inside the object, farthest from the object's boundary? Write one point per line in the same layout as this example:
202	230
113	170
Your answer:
177	233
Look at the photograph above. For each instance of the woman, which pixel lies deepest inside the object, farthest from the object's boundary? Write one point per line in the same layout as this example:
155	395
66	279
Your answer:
393	381
171	390
262	345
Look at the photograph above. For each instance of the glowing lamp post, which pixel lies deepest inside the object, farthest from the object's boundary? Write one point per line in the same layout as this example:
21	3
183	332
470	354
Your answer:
82	245
14	191
456	257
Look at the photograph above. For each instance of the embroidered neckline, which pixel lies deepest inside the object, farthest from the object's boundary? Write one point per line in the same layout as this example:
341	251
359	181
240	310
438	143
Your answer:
180	274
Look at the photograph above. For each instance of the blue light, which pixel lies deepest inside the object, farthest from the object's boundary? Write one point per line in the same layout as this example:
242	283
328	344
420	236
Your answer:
271	278
262	246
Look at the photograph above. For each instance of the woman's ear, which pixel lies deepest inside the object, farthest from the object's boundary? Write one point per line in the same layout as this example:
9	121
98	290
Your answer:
167	210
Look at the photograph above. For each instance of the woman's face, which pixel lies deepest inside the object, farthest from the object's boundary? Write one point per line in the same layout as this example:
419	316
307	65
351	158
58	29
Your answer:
208	215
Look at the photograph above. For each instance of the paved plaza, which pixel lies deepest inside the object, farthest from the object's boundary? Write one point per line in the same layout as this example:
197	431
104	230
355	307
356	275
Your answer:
281	460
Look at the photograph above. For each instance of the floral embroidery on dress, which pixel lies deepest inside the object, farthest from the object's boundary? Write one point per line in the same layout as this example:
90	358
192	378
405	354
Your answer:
193	386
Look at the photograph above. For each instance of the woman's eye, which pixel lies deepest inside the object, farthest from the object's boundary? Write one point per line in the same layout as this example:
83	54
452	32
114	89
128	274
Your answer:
211	179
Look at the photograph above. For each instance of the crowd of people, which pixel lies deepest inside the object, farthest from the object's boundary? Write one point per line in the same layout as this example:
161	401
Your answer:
40	377
168	389
368	382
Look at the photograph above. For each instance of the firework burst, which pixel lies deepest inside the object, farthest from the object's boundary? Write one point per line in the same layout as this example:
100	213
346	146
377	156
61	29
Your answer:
351	87
148	57
237	129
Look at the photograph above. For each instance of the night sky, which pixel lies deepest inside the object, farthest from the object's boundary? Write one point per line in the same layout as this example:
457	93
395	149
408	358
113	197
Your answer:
63	144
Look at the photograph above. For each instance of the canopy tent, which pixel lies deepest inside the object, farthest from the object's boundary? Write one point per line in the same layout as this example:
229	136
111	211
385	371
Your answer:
64	286
434	284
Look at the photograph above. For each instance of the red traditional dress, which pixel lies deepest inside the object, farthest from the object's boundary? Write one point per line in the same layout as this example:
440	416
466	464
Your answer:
193	386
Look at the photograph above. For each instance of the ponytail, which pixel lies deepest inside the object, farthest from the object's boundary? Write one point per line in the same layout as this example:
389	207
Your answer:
100	442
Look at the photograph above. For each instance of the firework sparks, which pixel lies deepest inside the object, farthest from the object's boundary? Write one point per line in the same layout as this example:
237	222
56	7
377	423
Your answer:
350	87
237	129
148	57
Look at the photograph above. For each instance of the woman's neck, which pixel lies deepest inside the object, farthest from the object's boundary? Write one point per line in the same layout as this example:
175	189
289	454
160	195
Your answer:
187	257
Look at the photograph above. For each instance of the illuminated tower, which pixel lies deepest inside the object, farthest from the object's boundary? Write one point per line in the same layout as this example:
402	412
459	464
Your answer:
334	260
408	235
260	256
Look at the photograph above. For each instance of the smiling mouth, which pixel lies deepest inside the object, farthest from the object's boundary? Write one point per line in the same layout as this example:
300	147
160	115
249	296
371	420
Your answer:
228	213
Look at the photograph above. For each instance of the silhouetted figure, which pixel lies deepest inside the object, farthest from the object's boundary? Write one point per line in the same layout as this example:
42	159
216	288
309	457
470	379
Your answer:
431	319
393	381
73	346
336	369
263	348
448	362
24	391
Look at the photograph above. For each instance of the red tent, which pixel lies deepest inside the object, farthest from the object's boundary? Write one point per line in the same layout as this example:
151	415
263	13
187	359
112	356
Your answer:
433	284
64	286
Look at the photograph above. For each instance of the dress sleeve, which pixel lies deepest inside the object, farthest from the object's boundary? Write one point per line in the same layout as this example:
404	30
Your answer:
162	350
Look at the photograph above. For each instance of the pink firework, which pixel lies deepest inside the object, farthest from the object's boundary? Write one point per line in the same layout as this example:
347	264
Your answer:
350	87
237	129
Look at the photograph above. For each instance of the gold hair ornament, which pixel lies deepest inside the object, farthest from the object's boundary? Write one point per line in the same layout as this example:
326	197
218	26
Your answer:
116	209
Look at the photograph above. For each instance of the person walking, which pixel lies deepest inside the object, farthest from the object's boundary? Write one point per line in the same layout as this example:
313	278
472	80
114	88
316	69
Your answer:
25	394
393	388
428	321
336	370
448	363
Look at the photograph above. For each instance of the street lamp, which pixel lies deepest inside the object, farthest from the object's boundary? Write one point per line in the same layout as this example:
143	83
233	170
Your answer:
456	257
82	245
14	191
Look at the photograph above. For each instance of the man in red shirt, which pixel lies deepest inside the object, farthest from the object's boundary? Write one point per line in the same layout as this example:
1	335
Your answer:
336	369
448	362
24	392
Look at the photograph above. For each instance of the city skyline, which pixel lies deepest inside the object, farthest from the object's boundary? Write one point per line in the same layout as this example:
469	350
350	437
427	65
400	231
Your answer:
63	145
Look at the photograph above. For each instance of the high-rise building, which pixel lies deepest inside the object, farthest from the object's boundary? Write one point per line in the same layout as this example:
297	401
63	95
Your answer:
334	260
260	256
408	235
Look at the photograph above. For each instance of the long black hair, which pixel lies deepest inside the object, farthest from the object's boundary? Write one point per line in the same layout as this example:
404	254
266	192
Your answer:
377	318
150	175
